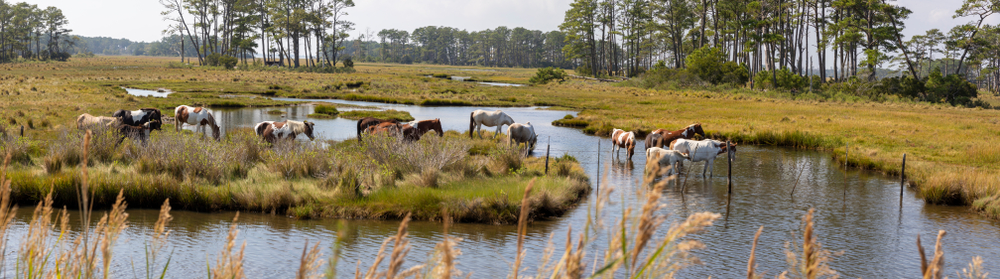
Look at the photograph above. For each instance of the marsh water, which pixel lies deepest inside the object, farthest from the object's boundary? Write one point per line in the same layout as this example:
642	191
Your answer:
859	213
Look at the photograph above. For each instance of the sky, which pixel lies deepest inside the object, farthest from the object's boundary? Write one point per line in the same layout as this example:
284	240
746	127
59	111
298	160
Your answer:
140	20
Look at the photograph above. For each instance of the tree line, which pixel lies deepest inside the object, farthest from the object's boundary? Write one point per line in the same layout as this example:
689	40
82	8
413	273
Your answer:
498	47
281	31
29	32
837	40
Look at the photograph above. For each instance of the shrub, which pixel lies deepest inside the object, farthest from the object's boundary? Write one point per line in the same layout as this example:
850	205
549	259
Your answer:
292	159
950	89
326	109
710	65
784	77
348	62
547	74
216	59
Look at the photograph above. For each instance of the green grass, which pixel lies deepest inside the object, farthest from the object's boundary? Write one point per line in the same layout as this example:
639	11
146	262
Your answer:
326	109
381	114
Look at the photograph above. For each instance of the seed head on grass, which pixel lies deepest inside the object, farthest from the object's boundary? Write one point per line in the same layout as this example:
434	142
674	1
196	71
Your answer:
229	264
310	263
814	262
522	226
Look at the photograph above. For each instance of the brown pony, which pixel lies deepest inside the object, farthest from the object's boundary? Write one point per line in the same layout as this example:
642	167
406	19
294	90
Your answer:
424	126
365	123
668	137
393	129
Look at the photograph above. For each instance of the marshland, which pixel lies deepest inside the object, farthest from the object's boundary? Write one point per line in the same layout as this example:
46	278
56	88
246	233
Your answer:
854	149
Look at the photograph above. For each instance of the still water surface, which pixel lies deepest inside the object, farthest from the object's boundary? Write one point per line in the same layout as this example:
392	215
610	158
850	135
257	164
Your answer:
858	213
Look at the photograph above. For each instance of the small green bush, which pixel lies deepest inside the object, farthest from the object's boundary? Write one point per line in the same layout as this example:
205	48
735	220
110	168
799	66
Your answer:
326	109
547	74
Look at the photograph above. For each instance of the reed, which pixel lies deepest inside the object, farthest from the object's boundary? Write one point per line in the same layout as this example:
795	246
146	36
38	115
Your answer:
310	263
812	261
229	264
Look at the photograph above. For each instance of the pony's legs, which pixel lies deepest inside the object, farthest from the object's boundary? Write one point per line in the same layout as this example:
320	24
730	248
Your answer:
498	131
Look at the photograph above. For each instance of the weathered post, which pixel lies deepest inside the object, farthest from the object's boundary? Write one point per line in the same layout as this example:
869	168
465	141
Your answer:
22	131
729	155
902	180
598	181
847	154
547	147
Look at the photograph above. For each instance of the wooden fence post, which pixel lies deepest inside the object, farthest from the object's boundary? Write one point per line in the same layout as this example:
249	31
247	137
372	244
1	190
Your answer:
547	147
598	181
902	180
22	131
729	156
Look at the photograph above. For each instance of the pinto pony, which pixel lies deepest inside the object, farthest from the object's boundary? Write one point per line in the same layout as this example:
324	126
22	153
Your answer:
667	137
86	120
287	129
424	126
705	150
479	118
621	139
366	122
518	133
140	117
198	116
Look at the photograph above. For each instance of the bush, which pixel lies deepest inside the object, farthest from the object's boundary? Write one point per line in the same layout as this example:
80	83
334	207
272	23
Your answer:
348	62
216	59
545	75
710	65
950	89
326	109
784	77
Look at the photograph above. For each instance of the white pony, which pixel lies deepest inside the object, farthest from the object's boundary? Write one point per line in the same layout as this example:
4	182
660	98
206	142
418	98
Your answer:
664	157
287	129
496	118
86	120
704	150
197	116
518	133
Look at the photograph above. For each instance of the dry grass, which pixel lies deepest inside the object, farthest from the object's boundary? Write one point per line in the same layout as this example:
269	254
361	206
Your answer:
229	264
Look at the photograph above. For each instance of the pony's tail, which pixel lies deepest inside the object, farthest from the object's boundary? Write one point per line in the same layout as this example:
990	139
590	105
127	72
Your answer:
472	123
259	129
359	128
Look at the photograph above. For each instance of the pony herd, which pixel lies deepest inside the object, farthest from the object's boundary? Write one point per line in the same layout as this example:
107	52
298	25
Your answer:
668	148
137	124
517	133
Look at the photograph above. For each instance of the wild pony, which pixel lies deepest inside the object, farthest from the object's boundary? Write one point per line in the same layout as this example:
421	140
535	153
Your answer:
621	139
140	117
411	132
663	157
424	126
704	150
86	120
287	129
496	118
518	133
200	117
139	132
653	140
668	137
366	122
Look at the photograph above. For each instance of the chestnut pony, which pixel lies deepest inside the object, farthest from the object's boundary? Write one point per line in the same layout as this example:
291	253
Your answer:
666	137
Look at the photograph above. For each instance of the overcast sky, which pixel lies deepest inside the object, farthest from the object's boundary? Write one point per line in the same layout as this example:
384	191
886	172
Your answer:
140	20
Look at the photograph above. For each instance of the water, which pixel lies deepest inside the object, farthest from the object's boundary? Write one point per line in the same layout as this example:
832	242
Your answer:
858	213
147	93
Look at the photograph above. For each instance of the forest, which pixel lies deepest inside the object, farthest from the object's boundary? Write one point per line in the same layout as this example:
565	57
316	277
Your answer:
31	32
797	45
